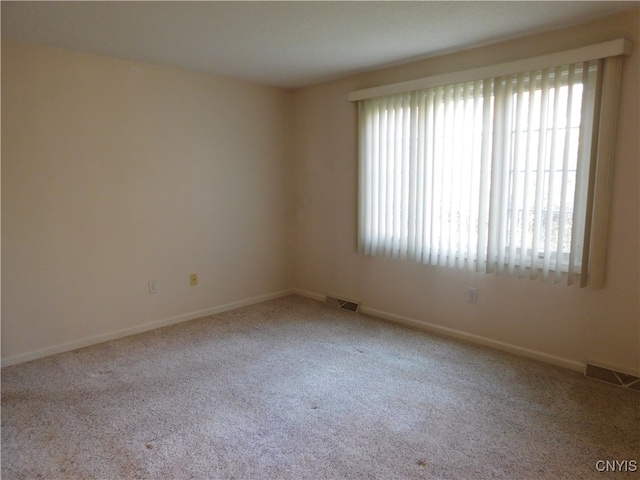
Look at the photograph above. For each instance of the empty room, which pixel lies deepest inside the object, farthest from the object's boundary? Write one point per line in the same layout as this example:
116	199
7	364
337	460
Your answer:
339	240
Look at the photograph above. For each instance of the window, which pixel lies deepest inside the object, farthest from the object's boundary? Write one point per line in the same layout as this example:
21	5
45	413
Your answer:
495	174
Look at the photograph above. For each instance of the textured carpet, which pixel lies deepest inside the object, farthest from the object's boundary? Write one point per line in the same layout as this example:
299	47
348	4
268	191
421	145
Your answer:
294	389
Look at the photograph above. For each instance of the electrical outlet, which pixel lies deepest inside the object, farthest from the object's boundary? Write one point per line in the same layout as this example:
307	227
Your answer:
153	287
194	279
472	295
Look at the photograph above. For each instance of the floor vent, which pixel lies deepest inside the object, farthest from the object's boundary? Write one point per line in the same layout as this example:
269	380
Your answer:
611	376
341	303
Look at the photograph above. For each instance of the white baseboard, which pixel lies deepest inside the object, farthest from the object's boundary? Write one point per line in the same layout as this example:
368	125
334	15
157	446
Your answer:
488	342
88	341
85	342
312	295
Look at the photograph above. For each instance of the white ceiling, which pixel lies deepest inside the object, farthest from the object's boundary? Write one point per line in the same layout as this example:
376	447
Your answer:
287	44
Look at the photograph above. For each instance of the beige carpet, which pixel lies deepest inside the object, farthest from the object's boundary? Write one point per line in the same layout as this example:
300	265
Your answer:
294	389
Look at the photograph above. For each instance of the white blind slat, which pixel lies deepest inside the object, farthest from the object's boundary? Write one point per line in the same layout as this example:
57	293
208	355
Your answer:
605	153
565	174
485	177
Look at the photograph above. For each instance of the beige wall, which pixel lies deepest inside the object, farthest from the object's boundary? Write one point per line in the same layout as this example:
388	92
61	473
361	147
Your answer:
115	173
565	325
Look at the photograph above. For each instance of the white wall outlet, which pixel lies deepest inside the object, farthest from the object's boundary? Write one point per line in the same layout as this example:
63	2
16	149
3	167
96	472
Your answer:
153	287
472	295
193	278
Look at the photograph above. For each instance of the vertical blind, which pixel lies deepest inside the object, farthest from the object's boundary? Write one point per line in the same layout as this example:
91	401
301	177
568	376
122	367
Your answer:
492	175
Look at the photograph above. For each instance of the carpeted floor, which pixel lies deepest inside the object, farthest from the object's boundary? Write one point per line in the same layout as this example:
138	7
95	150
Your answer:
294	389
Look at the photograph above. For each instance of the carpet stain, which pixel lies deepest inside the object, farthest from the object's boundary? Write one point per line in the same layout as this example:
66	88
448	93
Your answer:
422	463
149	446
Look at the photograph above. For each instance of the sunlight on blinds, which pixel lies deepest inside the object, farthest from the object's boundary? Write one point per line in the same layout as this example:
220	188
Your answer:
487	175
